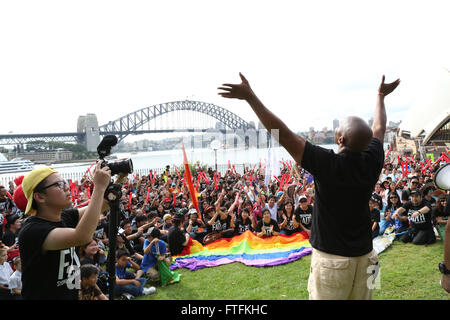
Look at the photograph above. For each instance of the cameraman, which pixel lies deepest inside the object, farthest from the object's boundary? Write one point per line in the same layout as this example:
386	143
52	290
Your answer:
47	241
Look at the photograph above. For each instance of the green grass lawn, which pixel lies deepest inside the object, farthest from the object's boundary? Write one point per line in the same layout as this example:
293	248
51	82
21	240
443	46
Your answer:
407	272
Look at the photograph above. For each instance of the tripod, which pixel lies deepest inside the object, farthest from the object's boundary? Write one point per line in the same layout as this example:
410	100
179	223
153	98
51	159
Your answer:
112	195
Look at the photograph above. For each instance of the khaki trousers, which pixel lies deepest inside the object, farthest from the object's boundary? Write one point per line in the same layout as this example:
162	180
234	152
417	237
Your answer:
335	277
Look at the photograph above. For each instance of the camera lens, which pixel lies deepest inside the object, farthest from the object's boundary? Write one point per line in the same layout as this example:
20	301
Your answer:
125	166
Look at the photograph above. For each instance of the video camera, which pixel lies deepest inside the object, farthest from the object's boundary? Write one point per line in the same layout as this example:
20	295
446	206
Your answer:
104	150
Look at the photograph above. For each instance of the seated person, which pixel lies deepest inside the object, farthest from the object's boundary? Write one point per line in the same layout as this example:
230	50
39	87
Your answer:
177	238
126	282
440	216
194	226
5	273
419	215
374	217
89	289
154	250
267	226
142	225
244	222
304	214
291	222
393	203
90	253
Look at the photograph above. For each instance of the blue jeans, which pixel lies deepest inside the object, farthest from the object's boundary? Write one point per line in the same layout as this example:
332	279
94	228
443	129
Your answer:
130	288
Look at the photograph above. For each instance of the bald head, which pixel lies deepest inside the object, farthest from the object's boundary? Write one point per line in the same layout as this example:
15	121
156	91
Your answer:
353	134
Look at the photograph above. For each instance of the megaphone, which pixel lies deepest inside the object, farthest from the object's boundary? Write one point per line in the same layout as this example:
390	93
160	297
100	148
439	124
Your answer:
442	177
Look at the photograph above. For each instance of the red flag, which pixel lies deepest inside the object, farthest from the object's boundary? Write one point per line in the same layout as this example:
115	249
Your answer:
177	173
283	178
445	157
187	172
205	178
88	192
388	152
129	200
9	195
148	194
215	181
152	180
174	199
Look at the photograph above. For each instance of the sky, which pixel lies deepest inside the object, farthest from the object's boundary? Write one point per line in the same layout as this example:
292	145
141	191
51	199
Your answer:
310	62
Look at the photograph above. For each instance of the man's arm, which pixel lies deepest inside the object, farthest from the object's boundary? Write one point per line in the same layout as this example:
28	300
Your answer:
61	238
379	119
292	142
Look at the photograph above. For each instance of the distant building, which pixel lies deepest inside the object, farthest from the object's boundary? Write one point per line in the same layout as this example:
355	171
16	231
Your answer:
46	156
335	124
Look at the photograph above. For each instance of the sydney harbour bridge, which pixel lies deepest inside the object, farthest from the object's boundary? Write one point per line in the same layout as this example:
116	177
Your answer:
161	118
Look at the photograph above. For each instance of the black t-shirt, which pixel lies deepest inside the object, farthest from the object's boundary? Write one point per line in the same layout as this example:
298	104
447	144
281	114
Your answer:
290	227
375	217
53	274
266	227
241	226
218	225
337	229
195	226
422	221
304	217
175	239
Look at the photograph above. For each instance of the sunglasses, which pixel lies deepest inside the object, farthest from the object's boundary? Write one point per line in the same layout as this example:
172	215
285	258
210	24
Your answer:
61	184
414	182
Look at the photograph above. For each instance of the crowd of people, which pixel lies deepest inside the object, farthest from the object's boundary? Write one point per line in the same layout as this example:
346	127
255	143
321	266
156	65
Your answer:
158	218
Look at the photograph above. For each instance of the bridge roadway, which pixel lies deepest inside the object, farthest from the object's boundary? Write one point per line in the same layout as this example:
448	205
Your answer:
19	139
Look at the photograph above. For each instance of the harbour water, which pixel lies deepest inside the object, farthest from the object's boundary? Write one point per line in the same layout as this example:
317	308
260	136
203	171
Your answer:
160	159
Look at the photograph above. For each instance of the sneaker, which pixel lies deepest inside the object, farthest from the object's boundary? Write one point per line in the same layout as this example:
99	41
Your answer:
126	296
149	290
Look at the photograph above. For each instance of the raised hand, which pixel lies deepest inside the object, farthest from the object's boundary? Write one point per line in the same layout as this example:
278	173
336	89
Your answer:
386	88
239	91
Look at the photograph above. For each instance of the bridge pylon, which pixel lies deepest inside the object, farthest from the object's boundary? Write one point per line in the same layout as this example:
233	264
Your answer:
88	125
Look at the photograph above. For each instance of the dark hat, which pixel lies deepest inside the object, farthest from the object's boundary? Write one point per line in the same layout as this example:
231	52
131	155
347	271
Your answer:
178	216
415	192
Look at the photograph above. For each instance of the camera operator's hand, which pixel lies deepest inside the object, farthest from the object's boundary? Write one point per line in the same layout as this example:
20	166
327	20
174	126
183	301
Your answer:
102	176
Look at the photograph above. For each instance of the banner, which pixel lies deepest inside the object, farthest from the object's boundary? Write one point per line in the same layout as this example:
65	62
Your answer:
188	177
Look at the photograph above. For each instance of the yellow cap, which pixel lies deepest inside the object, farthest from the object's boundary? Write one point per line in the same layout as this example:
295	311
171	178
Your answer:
30	181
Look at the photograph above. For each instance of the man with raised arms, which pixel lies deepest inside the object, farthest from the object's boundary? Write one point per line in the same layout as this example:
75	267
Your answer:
343	263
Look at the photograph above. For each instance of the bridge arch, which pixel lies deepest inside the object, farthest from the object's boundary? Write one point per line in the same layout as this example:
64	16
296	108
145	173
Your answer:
133	121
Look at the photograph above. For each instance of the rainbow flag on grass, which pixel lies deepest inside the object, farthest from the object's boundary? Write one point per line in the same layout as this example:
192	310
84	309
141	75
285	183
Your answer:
246	248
